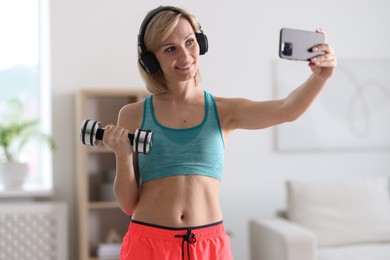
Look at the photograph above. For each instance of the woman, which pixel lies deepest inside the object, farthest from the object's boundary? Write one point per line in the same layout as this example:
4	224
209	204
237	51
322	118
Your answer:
175	209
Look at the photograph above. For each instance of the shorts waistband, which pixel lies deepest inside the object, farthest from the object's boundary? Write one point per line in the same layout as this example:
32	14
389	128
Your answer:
169	233
177	228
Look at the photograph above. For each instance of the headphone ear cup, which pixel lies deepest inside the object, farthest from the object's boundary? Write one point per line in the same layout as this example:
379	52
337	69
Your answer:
203	43
149	62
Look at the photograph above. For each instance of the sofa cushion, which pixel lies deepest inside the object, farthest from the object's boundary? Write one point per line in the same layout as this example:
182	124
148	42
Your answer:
342	212
379	251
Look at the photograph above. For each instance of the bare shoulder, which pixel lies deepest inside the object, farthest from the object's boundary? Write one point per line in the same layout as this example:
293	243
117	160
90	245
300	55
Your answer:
227	108
230	105
130	116
132	108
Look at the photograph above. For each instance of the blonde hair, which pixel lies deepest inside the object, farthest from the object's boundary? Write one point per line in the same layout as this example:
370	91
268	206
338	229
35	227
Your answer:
157	31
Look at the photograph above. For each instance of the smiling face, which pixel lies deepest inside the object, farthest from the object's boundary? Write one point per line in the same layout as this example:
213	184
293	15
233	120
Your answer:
175	28
178	55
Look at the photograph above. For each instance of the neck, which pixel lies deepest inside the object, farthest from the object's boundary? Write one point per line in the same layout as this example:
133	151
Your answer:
182	91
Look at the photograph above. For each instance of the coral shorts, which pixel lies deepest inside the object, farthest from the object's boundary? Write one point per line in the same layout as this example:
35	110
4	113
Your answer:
145	241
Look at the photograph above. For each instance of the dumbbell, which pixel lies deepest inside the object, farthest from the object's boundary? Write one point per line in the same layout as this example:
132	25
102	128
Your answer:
91	133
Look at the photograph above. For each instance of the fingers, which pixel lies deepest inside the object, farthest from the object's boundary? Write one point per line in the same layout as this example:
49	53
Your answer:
114	134
114	130
116	139
324	64
328	59
325	46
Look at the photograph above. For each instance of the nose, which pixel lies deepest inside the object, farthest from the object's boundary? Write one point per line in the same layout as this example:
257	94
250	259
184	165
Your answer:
183	53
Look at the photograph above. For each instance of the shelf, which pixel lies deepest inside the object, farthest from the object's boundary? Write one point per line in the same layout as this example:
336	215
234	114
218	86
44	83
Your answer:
98	213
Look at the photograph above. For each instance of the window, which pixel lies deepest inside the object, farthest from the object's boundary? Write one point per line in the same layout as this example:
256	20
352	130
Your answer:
24	75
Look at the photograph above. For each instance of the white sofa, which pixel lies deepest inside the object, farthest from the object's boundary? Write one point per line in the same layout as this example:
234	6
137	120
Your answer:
338	220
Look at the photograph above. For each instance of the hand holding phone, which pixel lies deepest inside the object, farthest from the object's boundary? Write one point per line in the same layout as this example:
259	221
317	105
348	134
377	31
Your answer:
297	44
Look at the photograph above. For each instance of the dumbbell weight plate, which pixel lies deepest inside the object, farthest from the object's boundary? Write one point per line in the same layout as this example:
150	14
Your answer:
142	141
88	132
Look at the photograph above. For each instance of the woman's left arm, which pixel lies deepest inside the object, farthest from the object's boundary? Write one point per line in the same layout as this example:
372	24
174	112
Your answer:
300	99
247	114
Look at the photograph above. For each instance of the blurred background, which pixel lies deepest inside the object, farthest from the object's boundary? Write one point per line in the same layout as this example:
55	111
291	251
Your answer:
93	45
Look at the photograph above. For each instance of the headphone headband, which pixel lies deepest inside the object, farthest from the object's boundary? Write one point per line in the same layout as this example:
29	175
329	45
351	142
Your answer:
145	23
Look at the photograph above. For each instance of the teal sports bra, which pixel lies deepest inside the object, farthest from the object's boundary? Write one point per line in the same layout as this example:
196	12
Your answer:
197	150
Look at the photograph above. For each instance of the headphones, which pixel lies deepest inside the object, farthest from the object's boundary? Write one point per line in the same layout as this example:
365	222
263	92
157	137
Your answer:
148	60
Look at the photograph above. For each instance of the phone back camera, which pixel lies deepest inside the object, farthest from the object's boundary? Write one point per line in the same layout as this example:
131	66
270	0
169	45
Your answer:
287	48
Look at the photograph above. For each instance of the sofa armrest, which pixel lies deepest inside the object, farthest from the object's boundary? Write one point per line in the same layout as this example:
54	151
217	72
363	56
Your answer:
276	238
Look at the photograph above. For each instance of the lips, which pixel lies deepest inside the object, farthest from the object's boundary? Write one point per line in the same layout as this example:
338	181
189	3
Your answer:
185	67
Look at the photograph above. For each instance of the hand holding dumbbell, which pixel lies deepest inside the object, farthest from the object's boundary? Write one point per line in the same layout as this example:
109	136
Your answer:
91	133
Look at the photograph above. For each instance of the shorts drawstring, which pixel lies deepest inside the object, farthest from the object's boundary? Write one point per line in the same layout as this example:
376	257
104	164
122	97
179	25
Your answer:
189	237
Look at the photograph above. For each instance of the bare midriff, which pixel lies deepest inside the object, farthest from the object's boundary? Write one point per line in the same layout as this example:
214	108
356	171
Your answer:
179	201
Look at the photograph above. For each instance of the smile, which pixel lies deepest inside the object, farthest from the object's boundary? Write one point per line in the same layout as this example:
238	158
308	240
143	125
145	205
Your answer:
186	67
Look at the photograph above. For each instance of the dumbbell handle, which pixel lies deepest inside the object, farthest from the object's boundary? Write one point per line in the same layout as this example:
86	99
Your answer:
100	133
90	133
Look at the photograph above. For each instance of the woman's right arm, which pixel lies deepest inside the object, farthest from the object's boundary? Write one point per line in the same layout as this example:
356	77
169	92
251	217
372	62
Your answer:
126	188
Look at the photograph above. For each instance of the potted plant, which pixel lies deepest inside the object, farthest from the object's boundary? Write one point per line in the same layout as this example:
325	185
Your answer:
15	133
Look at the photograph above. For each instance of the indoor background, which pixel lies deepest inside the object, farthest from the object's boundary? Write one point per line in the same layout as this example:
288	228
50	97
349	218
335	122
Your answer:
94	45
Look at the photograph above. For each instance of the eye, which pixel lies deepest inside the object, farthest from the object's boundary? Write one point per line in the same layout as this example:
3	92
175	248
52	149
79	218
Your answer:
190	42
170	49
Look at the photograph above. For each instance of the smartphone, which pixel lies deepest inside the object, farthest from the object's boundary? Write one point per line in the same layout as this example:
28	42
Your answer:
297	44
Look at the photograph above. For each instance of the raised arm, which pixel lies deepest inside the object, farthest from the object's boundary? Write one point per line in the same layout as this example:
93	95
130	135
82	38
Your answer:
247	114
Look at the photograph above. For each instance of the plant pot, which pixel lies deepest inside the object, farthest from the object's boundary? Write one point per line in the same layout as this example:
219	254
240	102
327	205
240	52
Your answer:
13	174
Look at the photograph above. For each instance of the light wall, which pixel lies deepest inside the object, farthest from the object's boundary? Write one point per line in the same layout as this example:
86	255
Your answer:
94	46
